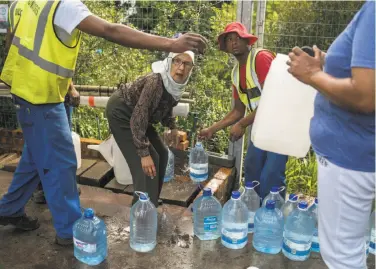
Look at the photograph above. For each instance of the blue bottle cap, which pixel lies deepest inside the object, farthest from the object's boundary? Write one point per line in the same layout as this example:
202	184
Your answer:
275	189
199	144
250	184
293	197
144	196
316	201
270	204
235	195
207	192
89	213
303	205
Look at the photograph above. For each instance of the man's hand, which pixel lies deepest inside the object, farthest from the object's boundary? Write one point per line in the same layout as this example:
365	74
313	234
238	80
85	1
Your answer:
303	66
189	41
236	132
75	96
148	166
206	133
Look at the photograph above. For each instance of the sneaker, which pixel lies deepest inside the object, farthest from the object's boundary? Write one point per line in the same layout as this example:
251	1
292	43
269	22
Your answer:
63	241
24	222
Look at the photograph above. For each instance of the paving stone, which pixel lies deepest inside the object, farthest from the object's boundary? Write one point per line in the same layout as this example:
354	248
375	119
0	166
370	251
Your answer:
98	175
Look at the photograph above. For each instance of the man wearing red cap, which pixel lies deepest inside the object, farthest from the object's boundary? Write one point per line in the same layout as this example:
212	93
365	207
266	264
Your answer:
248	78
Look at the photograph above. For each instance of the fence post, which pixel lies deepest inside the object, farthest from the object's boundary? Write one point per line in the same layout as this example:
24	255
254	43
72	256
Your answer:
260	22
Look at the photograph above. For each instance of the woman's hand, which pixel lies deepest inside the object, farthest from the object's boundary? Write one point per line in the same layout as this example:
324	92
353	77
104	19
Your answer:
148	166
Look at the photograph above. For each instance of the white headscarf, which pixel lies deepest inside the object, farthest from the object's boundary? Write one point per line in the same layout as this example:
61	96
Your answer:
164	68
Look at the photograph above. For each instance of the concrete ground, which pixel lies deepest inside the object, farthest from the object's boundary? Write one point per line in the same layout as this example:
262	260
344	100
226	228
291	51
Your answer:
36	250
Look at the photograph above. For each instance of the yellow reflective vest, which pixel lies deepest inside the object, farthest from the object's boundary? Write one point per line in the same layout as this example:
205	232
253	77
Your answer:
44	65
251	97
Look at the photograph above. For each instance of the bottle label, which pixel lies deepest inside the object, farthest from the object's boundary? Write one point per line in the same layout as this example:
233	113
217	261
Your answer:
199	169
315	240
210	224
235	238
251	220
296	249
86	247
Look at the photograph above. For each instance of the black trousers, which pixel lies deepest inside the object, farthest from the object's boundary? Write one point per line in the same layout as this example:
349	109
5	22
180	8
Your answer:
118	115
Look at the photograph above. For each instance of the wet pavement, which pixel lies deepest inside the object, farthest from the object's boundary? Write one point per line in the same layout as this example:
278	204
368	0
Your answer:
179	250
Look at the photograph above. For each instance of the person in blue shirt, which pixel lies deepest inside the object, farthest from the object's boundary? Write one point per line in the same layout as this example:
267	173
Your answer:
343	136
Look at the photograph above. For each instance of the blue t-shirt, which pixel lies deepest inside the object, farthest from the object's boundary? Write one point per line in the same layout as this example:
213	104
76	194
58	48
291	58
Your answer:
345	138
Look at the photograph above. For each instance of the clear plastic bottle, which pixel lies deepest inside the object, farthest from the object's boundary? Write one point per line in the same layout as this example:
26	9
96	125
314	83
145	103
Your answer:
299	228
274	195
166	224
290	205
234	223
315	247
143	224
90	238
268	233
170	169
198	163
252	201
207	216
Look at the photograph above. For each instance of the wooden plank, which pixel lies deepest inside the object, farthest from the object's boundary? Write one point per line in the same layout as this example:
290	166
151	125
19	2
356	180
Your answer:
12	165
85	165
8	158
115	186
98	175
129	189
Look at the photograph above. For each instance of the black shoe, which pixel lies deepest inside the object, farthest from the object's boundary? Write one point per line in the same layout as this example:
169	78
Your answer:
23	223
63	241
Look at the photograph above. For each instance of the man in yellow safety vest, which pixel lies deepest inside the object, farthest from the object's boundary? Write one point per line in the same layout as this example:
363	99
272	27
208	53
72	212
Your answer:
42	59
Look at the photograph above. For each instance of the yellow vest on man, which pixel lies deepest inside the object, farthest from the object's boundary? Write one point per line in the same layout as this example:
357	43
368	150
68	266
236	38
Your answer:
251	97
44	64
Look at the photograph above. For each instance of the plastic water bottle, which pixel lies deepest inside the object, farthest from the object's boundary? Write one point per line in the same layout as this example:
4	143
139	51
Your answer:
170	169
274	195
268	233
373	234
198	163
207	216
315	247
299	229
90	238
252	201
234	223
143	222
290	205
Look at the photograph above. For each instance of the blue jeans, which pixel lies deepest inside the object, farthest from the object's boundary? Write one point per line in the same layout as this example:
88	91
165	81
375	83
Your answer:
266	167
48	157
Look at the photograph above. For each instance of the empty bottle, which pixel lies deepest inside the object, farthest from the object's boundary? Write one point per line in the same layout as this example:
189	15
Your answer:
170	169
373	234
299	228
315	247
274	195
252	201
198	163
268	233
90	238
234	223
207	216
290	205
165	222
143	224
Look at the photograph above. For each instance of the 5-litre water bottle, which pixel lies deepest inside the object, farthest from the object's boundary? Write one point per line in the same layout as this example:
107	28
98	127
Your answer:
170	169
315	247
299	229
268	233
207	216
274	195
234	223
90	238
143	222
198	163
290	205
373	234
252	201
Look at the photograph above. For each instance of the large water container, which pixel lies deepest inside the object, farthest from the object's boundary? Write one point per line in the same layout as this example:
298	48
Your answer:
207	216
284	112
234	223
268	233
275	196
198	163
373	234
77	148
315	247
290	205
143	224
298	234
90	238
170	169
252	201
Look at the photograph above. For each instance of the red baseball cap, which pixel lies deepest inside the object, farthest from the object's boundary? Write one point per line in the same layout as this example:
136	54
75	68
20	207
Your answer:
236	27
